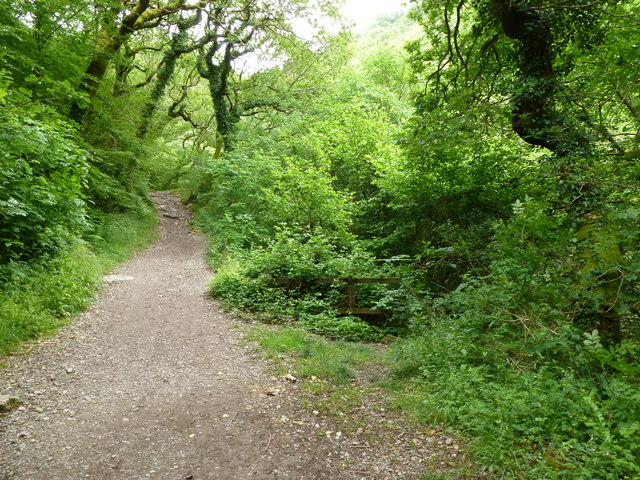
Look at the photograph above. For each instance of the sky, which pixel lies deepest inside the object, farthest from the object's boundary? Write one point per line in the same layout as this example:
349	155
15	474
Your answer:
362	12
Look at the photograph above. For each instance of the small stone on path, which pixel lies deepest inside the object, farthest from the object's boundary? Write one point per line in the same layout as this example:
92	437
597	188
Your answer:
117	278
8	403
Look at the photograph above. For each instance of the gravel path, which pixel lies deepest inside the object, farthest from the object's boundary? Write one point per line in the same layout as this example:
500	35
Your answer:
153	382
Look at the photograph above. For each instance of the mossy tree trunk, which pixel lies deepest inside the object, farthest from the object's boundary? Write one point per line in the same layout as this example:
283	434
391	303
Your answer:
112	36
536	121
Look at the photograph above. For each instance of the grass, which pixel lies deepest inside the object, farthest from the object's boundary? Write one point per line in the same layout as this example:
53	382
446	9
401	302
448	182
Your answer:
315	357
328	368
38	298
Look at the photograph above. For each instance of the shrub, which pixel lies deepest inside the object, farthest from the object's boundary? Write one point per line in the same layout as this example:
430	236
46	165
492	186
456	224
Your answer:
245	282
41	187
507	359
38	296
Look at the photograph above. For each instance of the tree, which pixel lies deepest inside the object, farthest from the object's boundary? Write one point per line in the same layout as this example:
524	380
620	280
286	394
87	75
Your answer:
229	31
521	59
118	21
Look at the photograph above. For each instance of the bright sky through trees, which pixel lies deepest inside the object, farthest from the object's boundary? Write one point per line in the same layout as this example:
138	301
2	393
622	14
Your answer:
362	12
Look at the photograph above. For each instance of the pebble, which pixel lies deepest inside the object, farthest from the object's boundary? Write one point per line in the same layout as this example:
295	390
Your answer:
7	402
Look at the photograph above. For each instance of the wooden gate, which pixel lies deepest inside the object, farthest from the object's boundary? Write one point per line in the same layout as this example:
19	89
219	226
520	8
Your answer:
351	283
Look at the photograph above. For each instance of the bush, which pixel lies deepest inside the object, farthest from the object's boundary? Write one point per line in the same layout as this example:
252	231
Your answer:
511	361
527	421
349	328
41	187
37	297
245	282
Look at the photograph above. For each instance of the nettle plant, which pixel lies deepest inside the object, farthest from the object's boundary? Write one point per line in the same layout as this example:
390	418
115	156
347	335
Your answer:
43	175
510	359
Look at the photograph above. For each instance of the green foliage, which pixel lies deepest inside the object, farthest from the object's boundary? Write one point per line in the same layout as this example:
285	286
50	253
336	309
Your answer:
510	197
246	282
506	358
163	164
304	197
44	48
231	195
388	31
43	177
531	354
540	422
349	328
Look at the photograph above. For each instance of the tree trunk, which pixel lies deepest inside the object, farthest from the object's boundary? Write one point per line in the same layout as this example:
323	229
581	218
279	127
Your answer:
110	39
107	46
537	123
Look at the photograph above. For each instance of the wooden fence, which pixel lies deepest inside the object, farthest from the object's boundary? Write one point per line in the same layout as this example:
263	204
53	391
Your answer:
351	283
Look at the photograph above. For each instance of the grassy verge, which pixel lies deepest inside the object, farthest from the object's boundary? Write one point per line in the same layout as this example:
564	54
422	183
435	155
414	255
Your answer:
328	369
348	382
38	298
315	357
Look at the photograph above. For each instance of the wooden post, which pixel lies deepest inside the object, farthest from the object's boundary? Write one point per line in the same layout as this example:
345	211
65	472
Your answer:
351	308
352	295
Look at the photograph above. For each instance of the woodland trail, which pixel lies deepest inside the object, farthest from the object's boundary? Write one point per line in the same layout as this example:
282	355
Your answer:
153	382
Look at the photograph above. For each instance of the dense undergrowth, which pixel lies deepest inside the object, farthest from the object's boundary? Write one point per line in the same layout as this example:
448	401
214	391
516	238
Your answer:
516	319
246	281
507	359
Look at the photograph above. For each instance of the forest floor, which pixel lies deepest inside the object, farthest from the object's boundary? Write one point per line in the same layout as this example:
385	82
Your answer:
154	381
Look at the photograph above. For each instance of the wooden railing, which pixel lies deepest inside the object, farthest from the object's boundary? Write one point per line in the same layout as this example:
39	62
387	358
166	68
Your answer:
351	282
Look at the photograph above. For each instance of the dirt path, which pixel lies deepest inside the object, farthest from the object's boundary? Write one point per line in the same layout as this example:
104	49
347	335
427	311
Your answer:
152	382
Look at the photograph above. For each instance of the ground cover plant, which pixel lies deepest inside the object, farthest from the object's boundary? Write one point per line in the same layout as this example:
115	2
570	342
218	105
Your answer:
247	282
540	396
316	356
